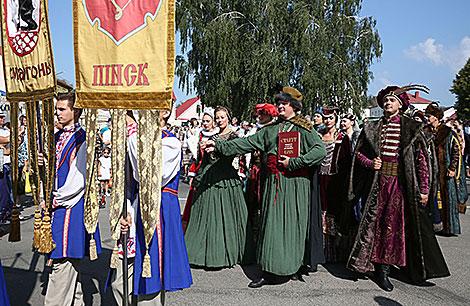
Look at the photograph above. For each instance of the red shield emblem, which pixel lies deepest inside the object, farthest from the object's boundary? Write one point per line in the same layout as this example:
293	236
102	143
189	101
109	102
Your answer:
120	19
23	21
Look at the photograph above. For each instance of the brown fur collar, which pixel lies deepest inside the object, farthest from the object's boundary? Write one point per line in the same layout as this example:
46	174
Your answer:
443	131
298	120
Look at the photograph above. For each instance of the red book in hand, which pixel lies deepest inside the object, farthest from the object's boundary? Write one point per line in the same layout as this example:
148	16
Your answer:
289	144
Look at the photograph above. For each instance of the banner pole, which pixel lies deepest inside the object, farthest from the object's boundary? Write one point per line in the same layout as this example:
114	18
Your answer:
125	274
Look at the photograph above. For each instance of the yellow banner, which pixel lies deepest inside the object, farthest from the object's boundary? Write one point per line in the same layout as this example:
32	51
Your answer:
124	53
28	63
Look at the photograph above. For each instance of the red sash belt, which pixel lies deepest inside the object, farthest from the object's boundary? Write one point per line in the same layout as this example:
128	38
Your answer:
273	167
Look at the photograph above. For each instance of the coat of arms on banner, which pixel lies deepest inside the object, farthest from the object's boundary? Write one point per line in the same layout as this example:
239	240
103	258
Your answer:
120	19
23	21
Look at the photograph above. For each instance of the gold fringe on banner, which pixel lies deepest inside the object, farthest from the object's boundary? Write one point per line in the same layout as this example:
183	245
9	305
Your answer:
34	169
47	244
114	264
146	266
149	146
118	155
49	148
15	232
91	214
37	229
43	233
93	252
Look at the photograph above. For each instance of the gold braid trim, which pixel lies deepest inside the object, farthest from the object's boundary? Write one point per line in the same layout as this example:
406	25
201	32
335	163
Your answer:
47	245
49	148
124	100
34	170
298	120
171	47
118	155
90	217
15	232
149	147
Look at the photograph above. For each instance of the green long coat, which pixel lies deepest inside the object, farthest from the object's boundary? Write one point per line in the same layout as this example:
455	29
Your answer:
286	204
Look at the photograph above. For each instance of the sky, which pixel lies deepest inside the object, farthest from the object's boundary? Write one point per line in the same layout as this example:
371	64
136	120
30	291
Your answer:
424	42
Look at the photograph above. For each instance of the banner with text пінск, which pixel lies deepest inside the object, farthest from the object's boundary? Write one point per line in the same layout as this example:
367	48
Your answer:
27	53
124	53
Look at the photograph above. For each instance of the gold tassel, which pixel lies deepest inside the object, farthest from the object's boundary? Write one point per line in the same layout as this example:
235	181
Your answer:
146	266
93	252
115	258
15	233
37	229
47	245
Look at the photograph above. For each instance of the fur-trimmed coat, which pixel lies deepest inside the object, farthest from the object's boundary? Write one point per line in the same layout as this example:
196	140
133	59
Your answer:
453	193
424	259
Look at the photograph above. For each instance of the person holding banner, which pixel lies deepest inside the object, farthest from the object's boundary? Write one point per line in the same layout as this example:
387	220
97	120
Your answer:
68	229
173	272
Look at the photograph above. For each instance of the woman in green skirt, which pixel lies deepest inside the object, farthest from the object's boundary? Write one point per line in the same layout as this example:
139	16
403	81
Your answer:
218	233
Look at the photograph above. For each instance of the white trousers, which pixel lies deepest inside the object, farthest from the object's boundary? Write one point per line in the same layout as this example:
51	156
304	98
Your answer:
64	287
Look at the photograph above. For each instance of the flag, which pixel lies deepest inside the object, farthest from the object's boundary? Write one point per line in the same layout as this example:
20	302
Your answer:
124	53
27	53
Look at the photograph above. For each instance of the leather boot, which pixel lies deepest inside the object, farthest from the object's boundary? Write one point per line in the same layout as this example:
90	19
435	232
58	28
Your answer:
381	277
258	283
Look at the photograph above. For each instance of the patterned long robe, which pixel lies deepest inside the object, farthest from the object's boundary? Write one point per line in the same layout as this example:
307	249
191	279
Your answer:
421	255
452	192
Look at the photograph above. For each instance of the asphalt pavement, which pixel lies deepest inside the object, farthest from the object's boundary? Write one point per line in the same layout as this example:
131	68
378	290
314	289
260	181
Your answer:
332	284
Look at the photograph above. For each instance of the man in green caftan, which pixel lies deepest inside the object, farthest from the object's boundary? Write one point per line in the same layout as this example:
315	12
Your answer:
283	243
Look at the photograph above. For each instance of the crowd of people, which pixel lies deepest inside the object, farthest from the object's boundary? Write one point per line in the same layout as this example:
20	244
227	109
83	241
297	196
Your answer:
287	193
371	194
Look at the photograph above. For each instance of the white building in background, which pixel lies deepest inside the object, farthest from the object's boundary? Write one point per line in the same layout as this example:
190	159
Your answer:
191	108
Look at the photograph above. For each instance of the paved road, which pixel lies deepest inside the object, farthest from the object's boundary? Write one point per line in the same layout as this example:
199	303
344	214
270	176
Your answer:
331	285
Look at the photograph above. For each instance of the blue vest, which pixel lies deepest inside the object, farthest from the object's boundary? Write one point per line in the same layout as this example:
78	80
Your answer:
3	289
68	229
176	270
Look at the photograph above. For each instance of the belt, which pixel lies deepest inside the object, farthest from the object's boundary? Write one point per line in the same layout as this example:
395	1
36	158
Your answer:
389	168
273	167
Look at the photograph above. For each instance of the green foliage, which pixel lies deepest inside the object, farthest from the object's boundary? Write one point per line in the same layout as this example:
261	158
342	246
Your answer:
237	51
461	89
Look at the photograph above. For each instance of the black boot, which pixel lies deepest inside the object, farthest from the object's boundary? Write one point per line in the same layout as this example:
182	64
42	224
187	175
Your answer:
258	283
381	277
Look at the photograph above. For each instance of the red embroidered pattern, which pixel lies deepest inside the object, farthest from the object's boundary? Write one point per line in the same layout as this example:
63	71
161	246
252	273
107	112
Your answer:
131	129
63	140
66	231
